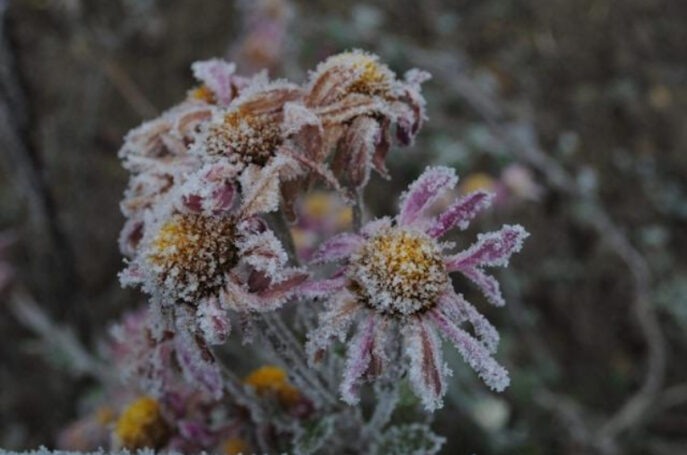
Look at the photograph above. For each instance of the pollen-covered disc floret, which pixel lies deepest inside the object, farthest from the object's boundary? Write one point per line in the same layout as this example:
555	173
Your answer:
398	272
371	76
244	137
191	253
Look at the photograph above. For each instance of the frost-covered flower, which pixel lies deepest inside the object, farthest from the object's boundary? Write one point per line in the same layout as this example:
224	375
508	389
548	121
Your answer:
257	135
228	258
395	279
157	152
356	100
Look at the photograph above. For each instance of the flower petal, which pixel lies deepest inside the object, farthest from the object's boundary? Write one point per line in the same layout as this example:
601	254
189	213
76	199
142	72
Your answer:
263	251
213	321
473	352
239	298
358	359
460	213
333	323
353	159
427	370
337	248
458	310
260	187
218	76
348	108
491	249
322	288
424	191
195	359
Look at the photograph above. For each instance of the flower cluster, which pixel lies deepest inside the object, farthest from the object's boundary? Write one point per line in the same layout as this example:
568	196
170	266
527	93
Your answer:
212	182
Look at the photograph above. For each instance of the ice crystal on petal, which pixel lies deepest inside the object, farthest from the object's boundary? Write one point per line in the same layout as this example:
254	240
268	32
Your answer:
213	321
474	353
491	250
218	76
424	191
197	362
427	370
358	361
264	252
338	247
460	213
456	309
261	186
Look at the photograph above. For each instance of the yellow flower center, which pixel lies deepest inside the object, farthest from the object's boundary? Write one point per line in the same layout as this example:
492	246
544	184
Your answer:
399	272
191	253
141	425
374	79
247	137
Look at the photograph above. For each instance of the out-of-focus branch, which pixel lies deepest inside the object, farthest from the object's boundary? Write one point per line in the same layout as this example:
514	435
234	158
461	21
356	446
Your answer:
14	124
81	361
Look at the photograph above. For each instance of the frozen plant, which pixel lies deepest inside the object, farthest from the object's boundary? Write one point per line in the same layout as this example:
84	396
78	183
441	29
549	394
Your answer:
394	284
214	181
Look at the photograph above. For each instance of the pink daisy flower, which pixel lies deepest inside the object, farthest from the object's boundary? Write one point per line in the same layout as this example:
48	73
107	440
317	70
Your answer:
394	284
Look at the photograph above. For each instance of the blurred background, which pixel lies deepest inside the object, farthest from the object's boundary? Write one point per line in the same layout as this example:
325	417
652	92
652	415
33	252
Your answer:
572	111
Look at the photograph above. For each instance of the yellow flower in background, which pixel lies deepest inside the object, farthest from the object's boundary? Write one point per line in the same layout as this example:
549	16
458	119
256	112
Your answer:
141	425
235	446
321	206
271	379
477	181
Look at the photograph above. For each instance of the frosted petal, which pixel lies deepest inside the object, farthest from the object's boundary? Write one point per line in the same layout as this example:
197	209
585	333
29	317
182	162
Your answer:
460	213
427	370
491	249
459	310
333	323
424	191
337	248
473	352
218	76
358	358
213	321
